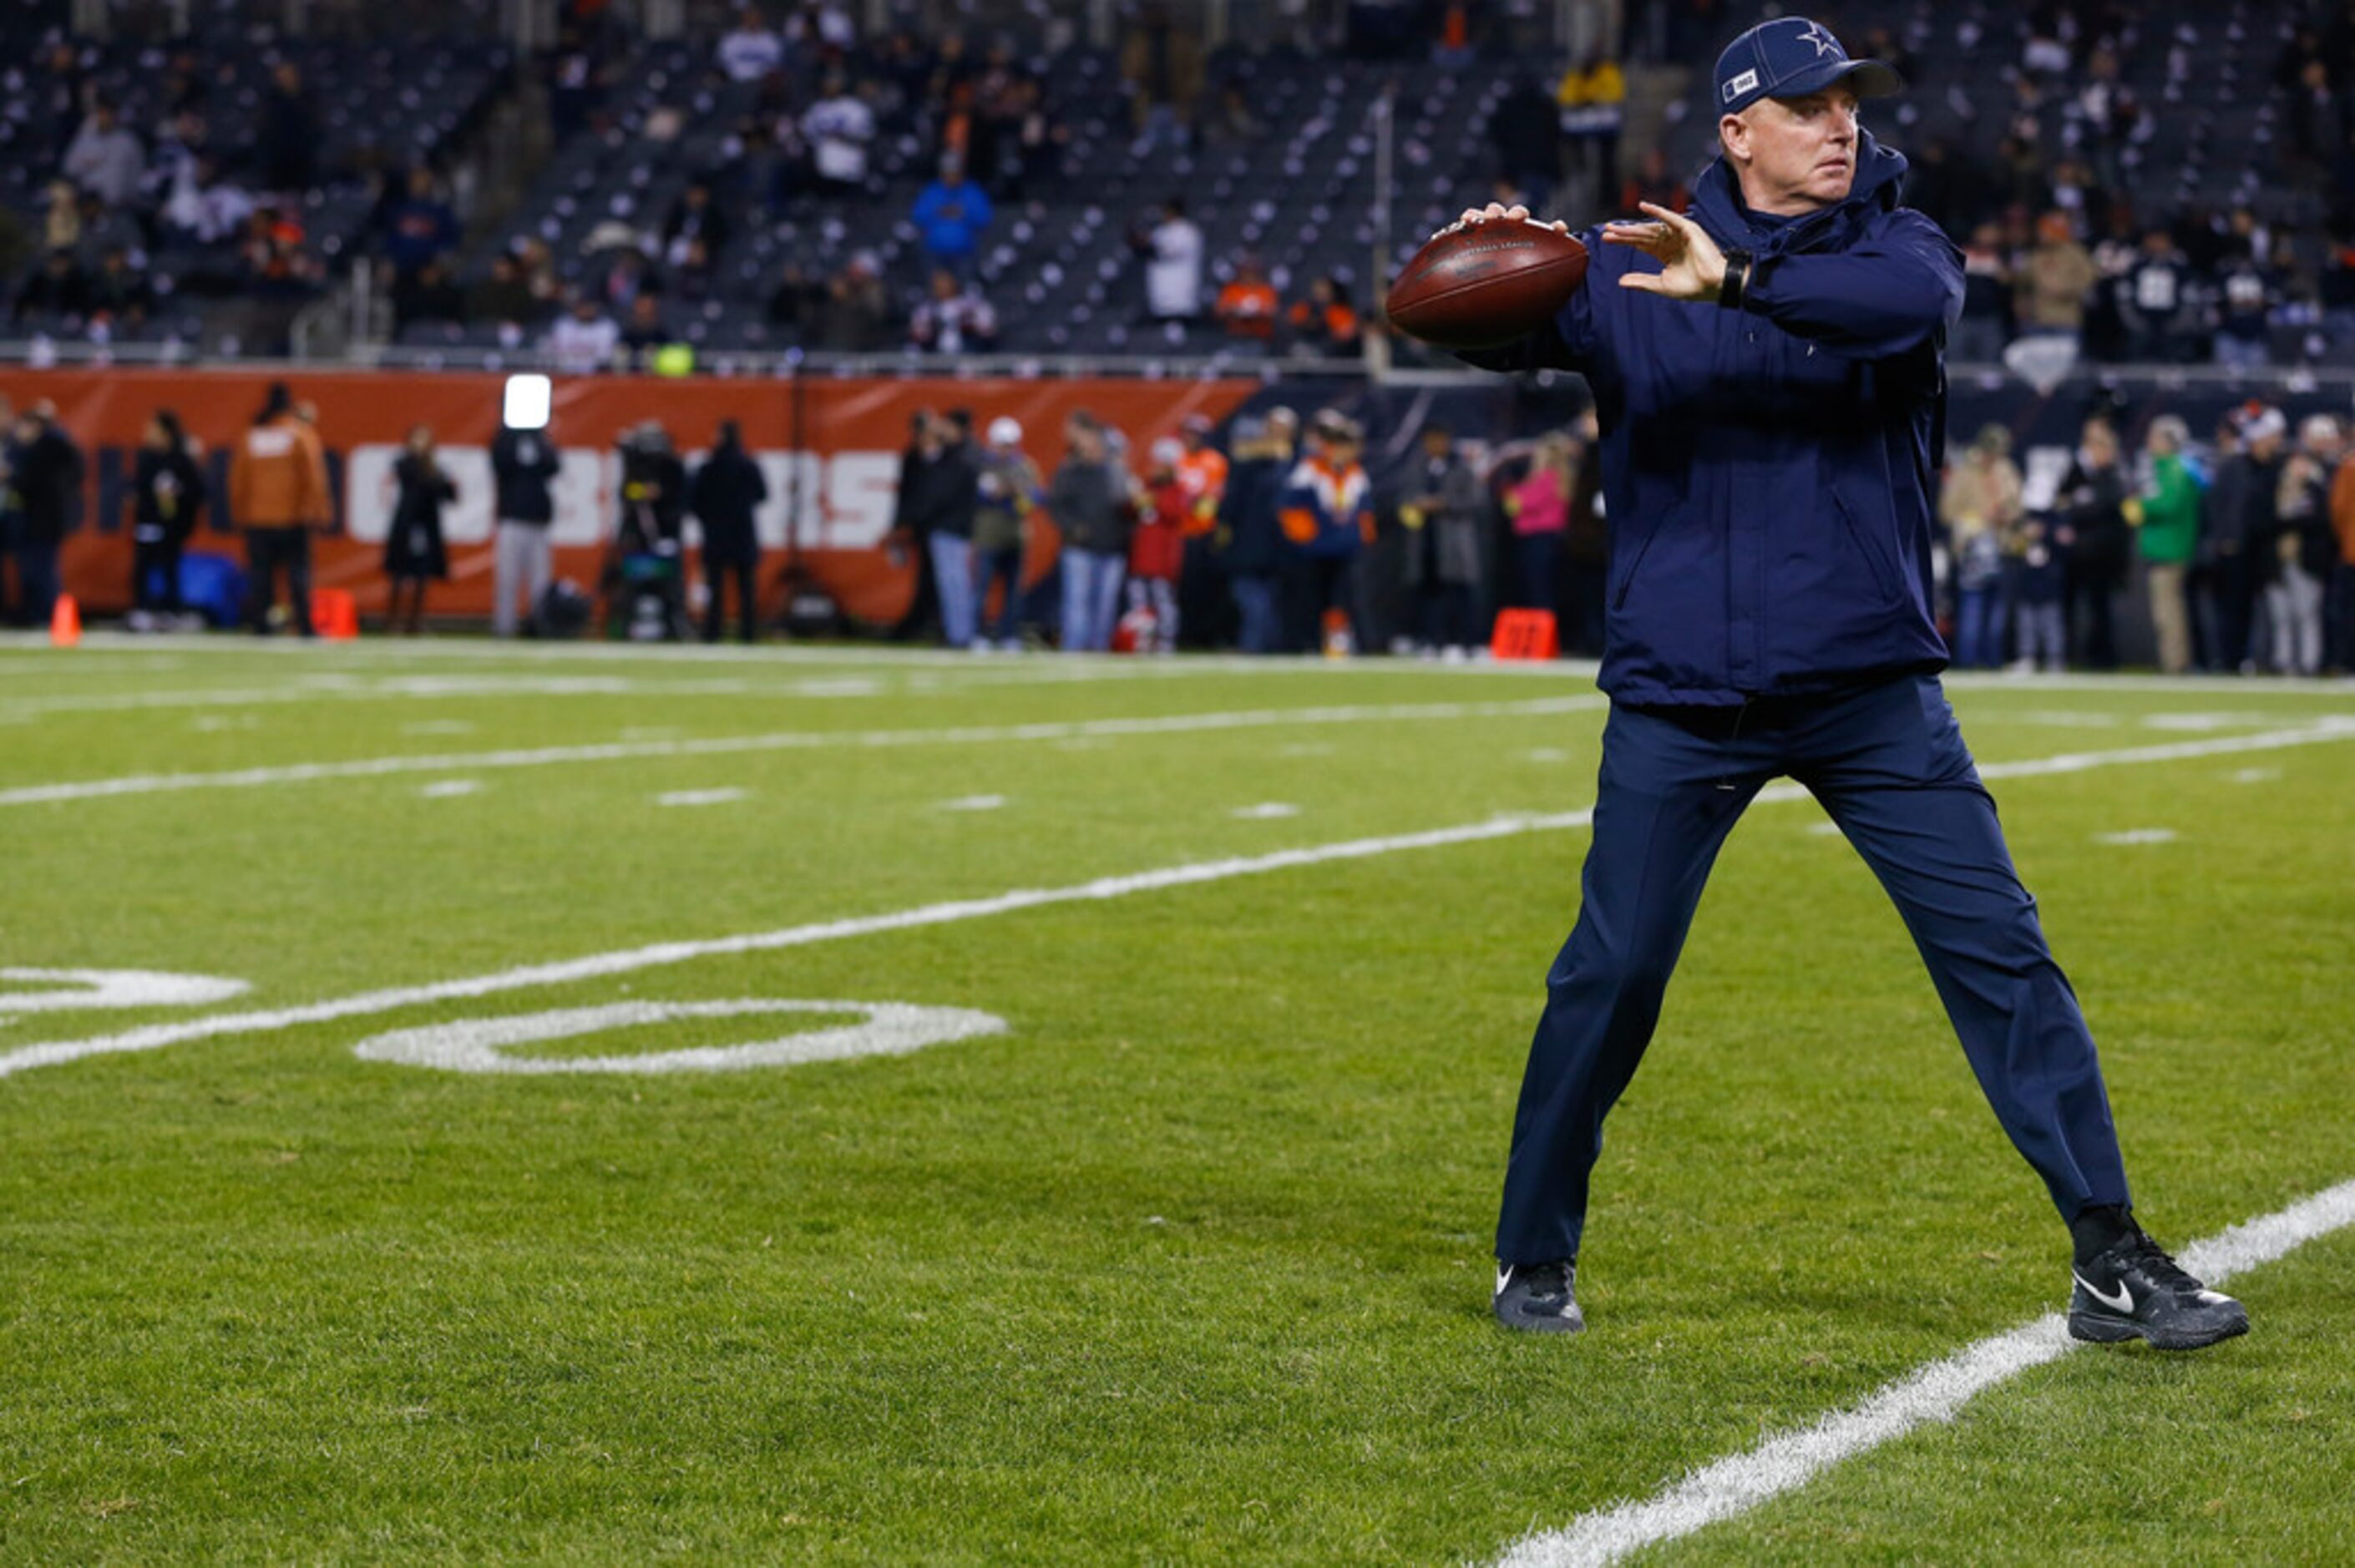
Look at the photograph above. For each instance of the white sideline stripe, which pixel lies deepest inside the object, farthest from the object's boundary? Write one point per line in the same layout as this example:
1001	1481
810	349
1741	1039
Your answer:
1787	1460
597	966
786	741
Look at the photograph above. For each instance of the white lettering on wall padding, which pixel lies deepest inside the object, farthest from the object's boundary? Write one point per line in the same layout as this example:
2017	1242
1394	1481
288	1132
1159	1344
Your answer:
480	1045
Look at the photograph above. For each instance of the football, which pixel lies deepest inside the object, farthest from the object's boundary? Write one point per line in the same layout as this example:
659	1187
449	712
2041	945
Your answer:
1486	284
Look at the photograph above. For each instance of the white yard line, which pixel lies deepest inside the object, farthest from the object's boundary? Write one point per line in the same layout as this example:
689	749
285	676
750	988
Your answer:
1788	1460
787	740
1059	667
595	966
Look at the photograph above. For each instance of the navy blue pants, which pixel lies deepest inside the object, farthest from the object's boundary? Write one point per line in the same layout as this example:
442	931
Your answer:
1889	763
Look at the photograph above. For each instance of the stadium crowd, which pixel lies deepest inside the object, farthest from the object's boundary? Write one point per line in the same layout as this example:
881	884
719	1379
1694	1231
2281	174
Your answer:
2071	238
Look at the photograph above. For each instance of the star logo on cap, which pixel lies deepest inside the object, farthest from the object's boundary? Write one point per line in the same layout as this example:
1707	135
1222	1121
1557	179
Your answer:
1825	43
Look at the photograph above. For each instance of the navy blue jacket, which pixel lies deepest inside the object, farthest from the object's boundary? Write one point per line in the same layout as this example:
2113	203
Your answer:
1769	472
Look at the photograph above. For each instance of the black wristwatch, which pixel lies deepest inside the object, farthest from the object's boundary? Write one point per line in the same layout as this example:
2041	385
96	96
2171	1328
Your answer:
1735	286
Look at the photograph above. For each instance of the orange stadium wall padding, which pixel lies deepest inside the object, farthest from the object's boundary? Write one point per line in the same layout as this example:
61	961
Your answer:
830	447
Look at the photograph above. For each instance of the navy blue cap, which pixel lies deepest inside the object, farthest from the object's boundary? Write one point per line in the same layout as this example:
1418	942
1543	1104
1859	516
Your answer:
1791	57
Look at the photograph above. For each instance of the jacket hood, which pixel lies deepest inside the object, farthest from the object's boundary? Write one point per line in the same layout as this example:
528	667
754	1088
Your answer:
1716	204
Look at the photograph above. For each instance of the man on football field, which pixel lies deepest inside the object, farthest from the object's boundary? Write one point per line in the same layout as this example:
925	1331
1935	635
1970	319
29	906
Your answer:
1768	373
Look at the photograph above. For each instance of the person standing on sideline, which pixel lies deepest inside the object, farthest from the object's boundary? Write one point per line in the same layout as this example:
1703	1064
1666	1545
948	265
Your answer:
1090	505
1157	551
1770	375
414	552
2240	525
1203	468
46	472
725	494
1441	512
2341	657
1250	538
2166	519
2091	535
1327	518
1979	504
2297	562
1008	490
524	465
1539	504
277	494
954	482
167	496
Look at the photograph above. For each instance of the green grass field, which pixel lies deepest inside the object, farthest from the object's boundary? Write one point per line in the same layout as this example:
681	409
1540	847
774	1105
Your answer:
1189	1262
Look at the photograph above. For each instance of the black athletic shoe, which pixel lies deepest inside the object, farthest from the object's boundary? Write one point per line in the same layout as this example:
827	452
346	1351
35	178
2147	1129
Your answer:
1537	1298
2133	1290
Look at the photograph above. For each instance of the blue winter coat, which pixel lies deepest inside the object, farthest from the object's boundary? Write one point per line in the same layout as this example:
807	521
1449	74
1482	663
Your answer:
1769	472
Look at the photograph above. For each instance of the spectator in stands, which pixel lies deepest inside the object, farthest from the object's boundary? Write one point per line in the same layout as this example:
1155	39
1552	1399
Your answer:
1007	491
205	206
60	288
949	215
1171	246
119	293
286	139
1250	534
61	222
1538	505
2296	561
693	217
1652	182
278	494
1443	512
2158	305
856	315
1980	505
167	496
2091	533
2165	518
1161	61
1985	324
1247	305
105	158
1326	324
1594	99
1526	130
624	276
1156	548
750	50
505	295
419	227
2240	521
272	259
795	304
646	333
2053	287
1327	519
1089	502
45	471
838	127
725	494
414	553
2245	297
584	340
954	319
524	466
428	294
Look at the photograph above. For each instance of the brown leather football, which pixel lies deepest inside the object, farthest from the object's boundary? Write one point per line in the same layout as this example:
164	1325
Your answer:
1486	284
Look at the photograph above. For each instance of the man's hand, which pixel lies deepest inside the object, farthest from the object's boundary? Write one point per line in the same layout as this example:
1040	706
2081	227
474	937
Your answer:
1495	212
1691	266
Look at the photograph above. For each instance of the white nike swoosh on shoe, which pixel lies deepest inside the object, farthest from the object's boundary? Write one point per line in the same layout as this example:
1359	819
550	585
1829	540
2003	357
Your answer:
1504	1277
2122	1302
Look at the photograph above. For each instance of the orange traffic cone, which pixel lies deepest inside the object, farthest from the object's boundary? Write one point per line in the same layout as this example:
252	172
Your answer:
65	622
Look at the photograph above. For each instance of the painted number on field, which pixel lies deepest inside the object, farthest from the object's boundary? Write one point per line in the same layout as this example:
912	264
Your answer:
480	1045
55	990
